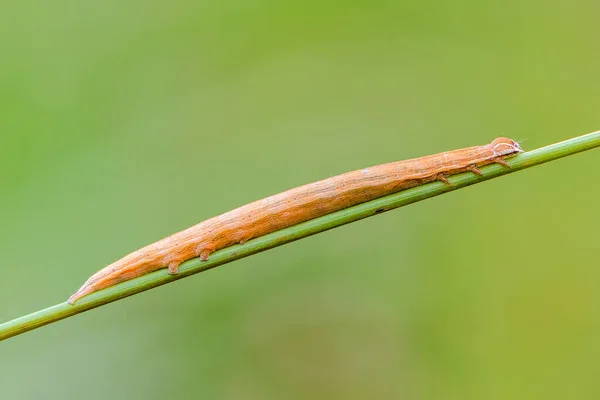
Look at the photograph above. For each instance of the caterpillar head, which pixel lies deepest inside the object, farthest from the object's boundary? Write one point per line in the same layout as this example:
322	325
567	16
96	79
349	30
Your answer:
505	147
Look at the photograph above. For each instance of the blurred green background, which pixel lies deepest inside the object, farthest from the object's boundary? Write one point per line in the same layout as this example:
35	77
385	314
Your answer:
123	122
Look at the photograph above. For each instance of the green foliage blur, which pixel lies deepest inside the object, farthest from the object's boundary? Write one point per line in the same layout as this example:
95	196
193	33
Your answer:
123	122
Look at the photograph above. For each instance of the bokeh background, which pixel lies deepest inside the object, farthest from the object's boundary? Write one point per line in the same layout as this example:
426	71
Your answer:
122	122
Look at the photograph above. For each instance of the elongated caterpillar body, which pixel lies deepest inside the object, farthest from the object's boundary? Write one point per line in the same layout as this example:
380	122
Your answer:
294	206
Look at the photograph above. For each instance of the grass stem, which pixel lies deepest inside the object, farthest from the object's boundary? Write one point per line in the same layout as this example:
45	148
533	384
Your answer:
524	160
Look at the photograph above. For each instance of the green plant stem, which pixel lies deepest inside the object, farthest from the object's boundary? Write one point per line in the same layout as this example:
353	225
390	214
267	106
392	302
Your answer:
333	220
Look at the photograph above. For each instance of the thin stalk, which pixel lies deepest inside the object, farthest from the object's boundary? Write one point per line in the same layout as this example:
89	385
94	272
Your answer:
317	225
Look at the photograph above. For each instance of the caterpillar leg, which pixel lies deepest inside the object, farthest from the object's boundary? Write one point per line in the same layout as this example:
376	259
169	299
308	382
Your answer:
473	168
501	161
204	251
174	267
204	254
442	177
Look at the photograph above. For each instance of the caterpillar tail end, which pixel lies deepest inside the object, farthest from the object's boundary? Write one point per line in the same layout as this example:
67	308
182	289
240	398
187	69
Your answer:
84	290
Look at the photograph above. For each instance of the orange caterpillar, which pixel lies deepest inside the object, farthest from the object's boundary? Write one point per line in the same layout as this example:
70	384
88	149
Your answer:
294	206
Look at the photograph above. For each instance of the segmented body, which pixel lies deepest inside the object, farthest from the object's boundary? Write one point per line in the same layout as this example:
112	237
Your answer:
292	207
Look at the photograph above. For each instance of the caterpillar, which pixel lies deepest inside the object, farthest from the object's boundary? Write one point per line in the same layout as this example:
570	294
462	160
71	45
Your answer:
293	207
